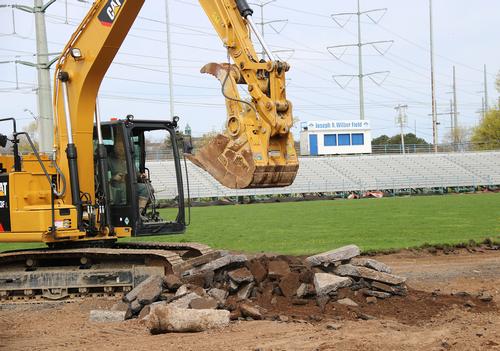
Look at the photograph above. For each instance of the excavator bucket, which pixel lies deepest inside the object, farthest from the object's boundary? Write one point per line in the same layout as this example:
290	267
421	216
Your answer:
243	156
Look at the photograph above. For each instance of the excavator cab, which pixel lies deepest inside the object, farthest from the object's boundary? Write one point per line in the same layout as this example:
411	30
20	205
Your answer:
131	194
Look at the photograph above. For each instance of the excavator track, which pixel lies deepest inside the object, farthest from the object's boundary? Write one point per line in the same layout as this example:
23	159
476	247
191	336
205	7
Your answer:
70	273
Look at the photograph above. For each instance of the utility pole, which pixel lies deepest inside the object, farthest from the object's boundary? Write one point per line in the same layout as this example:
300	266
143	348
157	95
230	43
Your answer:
453	126
402	120
486	105
361	75
169	58
433	88
44	91
455	110
45	110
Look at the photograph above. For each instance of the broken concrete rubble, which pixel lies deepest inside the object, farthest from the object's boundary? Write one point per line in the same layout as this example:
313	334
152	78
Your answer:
184	301
235	284
165	318
325	283
340	254
147	291
250	311
218	264
104	316
204	303
363	272
218	294
241	275
371	263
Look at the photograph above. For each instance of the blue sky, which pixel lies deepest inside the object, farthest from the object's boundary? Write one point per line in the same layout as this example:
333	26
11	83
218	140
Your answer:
466	35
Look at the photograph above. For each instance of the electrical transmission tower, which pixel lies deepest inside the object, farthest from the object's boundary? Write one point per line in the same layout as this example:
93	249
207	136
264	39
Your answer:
274	24
372	15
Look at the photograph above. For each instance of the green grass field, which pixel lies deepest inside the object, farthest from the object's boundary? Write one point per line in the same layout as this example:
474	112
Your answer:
373	224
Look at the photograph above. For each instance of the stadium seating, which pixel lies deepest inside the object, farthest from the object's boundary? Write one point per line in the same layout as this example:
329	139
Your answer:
351	173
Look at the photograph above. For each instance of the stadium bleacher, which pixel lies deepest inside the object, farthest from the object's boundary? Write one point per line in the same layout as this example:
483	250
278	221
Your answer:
351	173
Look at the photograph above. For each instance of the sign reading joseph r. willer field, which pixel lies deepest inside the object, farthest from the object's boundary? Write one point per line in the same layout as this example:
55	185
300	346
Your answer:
353	124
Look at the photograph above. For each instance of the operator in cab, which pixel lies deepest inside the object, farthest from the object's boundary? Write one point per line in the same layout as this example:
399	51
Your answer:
118	169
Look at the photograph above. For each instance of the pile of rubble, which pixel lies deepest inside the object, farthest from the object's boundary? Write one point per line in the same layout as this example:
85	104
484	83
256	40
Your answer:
232	286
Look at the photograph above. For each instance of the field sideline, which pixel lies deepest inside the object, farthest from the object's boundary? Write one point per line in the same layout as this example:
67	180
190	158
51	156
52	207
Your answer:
373	224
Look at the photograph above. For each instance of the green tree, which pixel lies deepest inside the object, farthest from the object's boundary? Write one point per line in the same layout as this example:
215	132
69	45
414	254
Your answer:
381	140
410	139
459	134
486	135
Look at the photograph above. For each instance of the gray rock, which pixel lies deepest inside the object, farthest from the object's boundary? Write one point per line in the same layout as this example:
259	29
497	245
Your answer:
183	290
241	275
166	318
104	316
135	307
123	307
340	254
218	294
245	291
485	297
146	292
333	326
378	294
371	263
250	311
184	301
204	303
367	273
303	290
217	264
172	282
325	283
384	287
347	302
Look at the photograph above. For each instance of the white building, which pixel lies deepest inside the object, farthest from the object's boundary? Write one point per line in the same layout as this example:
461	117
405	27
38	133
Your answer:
335	137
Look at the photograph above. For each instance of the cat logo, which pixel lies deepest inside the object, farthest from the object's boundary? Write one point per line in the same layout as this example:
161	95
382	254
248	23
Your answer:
3	189
109	12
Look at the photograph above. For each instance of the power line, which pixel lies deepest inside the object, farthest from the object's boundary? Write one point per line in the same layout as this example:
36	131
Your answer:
361	75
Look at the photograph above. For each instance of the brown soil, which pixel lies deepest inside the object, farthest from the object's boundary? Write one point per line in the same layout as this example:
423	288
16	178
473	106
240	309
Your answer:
437	314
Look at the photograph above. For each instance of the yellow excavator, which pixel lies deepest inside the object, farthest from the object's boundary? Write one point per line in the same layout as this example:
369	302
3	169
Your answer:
79	205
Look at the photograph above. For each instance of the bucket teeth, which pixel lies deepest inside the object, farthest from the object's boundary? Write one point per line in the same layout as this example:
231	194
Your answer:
236	169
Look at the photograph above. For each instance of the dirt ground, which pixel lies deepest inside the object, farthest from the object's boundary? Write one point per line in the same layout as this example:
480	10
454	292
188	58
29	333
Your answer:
437	314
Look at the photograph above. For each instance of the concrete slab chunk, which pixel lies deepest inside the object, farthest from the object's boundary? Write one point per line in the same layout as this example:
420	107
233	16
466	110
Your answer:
241	275
347	302
340	254
371	263
218	263
146	292
250	311
165	319
245	291
325	283
105	316
218	294
204	303
367	273
184	301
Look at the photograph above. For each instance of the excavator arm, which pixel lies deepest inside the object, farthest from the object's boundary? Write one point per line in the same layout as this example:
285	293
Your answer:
255	150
